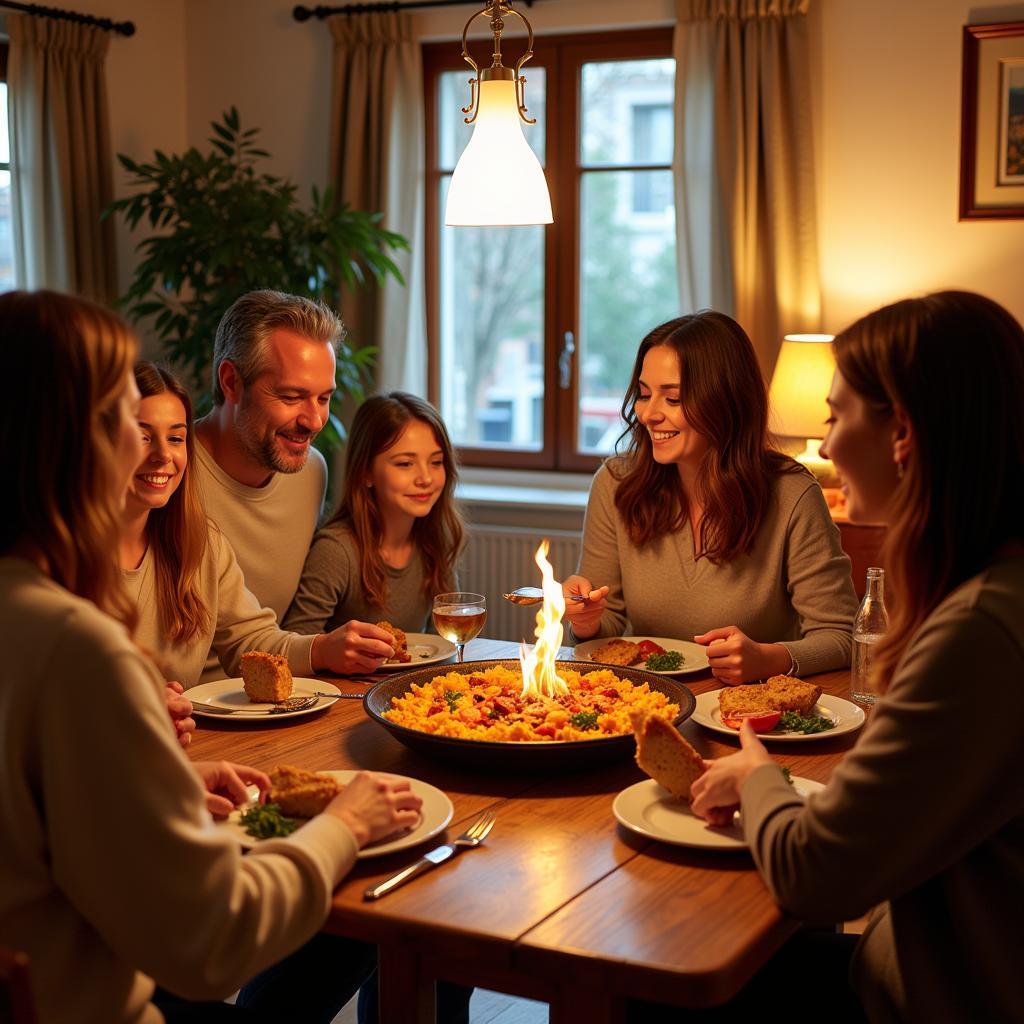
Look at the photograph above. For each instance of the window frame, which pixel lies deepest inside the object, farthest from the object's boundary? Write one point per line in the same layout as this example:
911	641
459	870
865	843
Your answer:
562	56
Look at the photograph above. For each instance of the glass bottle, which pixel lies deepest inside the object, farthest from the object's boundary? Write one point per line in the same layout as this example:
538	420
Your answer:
870	624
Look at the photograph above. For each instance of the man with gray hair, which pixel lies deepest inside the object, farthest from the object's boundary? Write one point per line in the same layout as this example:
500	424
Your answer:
262	482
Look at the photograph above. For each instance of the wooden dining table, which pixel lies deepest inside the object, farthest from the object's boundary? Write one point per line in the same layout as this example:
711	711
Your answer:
561	903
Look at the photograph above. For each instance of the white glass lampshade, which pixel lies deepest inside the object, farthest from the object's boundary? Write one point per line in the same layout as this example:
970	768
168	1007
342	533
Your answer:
800	385
498	180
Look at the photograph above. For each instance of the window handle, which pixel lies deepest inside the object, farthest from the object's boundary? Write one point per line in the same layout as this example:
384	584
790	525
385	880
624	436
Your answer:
565	361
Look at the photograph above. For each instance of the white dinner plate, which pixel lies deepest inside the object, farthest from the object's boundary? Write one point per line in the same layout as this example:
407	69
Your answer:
651	811
695	657
435	814
424	649
230	693
846	715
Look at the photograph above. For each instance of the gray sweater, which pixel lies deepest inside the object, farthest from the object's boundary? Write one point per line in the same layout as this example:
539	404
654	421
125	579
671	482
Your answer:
331	589
794	586
927	812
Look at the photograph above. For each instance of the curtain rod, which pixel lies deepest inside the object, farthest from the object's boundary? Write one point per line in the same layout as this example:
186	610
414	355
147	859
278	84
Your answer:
124	28
301	13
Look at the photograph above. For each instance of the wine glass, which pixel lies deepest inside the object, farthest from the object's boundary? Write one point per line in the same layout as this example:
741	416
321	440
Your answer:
459	617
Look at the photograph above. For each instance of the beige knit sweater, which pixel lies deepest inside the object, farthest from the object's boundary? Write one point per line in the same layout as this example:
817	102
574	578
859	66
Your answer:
794	587
111	870
926	812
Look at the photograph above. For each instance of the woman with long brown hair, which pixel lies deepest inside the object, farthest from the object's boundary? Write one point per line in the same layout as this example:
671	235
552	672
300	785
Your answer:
700	529
111	876
394	541
182	573
924	818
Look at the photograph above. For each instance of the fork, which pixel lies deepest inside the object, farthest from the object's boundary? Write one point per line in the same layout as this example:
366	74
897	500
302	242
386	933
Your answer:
291	704
473	836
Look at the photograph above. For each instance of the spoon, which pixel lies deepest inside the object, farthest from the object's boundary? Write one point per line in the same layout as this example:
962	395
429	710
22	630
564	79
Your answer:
534	595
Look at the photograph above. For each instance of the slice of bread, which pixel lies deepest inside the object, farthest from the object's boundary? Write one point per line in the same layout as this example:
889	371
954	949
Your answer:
300	793
779	693
664	755
617	652
399	643
266	677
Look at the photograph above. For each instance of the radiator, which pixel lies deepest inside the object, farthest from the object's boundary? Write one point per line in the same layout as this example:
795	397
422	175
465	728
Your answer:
500	558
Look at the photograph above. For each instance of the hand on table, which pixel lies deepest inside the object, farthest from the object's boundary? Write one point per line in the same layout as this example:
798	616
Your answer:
352	648
735	658
584	616
715	796
226	783
180	710
374	805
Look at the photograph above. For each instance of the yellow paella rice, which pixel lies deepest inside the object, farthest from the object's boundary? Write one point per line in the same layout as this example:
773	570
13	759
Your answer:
488	705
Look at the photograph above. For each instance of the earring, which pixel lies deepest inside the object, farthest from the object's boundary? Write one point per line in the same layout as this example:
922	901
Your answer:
899	469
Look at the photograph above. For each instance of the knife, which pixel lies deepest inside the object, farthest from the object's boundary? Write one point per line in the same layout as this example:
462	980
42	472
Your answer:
425	863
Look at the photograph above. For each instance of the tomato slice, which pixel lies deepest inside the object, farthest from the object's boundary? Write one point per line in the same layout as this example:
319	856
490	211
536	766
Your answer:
649	647
760	721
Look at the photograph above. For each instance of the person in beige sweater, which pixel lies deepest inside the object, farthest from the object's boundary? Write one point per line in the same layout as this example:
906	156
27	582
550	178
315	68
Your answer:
924	818
180	569
260	479
111	874
700	530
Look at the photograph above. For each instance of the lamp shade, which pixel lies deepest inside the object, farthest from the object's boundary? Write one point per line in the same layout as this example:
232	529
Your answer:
498	179
800	385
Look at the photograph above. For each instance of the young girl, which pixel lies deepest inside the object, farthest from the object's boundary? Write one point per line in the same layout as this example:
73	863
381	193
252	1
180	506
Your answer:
111	876
925	815
702	530
181	571
397	534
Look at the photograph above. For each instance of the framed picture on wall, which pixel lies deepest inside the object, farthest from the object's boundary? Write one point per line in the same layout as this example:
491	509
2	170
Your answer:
992	122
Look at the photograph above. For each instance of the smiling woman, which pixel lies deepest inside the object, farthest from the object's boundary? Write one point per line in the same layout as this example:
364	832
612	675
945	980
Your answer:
700	530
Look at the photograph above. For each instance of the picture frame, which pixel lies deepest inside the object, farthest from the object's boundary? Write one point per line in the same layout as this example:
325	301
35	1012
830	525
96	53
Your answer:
992	122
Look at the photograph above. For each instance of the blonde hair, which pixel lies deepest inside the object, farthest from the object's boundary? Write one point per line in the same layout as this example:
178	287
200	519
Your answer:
961	493
179	532
62	478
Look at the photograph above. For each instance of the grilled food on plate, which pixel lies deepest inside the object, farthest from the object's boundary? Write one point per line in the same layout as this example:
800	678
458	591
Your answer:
618	652
399	643
266	677
779	693
300	793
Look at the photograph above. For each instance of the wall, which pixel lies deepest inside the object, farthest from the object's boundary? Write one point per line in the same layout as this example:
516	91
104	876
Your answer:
888	149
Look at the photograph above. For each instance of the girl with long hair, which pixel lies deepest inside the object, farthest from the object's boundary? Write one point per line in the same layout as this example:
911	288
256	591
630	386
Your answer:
182	573
394	541
111	876
924	818
701	529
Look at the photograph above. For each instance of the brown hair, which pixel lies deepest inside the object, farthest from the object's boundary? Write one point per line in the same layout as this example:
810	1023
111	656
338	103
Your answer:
953	362
61	480
177	533
377	425
723	397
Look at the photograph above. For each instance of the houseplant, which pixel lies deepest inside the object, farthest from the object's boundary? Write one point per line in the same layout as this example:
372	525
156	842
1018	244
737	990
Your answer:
223	228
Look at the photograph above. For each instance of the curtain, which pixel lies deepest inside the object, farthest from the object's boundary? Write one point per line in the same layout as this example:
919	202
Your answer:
61	157
377	164
746	226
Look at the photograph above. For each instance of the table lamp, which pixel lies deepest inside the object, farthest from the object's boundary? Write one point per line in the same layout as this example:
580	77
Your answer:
800	385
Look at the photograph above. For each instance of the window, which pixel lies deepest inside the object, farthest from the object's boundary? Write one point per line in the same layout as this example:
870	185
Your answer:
533	330
7	281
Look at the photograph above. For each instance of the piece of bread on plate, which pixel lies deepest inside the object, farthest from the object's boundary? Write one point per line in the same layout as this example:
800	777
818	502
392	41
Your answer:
266	677
399	643
779	693
617	652
300	793
665	755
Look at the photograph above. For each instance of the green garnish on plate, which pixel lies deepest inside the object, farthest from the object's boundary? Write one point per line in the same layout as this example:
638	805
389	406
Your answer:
791	721
667	662
265	821
584	720
453	697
